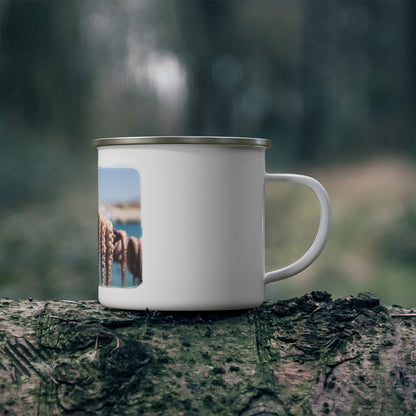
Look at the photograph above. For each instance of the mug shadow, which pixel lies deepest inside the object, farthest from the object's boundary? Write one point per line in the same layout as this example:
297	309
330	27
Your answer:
184	317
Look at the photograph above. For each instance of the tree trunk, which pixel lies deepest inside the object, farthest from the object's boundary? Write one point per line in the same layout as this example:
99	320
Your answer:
308	355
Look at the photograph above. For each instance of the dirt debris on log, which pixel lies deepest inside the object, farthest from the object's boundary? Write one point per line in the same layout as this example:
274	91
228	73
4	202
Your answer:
308	355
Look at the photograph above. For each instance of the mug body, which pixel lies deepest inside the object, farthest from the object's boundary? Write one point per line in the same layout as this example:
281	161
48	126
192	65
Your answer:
185	221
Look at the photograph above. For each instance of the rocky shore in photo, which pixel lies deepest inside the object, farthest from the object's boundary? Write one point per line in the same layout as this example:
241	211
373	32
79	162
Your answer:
121	212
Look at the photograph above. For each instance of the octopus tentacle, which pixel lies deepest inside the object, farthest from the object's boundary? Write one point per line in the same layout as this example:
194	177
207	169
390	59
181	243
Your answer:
124	256
132	247
99	245
102	245
122	253
117	253
110	249
139	261
115	246
134	259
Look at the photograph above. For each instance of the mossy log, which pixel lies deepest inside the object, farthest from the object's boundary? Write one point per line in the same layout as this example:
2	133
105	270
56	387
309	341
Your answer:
309	355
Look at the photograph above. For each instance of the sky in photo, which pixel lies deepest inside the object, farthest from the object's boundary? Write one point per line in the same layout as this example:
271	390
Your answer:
118	185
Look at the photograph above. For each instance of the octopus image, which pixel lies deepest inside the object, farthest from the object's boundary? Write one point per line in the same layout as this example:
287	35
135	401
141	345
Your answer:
115	245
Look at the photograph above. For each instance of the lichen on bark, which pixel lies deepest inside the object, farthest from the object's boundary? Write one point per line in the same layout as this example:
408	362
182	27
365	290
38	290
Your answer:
308	355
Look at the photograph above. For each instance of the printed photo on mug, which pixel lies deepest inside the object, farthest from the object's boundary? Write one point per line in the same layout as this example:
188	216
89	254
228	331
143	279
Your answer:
119	227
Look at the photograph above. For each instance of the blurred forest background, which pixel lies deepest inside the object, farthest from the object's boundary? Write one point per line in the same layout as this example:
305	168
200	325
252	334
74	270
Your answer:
331	83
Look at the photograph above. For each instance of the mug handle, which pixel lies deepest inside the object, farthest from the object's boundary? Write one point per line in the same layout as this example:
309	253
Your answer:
323	231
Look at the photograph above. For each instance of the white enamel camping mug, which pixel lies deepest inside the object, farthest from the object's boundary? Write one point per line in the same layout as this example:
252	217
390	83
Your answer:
181	222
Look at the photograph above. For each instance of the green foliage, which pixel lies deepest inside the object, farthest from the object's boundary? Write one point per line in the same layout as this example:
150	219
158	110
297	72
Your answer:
372	241
326	81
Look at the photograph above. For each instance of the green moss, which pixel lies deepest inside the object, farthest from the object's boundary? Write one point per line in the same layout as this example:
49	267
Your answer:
105	362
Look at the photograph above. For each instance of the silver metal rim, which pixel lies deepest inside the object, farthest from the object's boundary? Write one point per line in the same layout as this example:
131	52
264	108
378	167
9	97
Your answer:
210	140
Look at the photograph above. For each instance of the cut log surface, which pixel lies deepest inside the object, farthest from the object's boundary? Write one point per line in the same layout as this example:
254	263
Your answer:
308	355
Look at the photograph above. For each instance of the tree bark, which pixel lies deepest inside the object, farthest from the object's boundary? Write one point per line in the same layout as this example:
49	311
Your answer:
308	355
